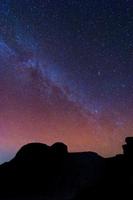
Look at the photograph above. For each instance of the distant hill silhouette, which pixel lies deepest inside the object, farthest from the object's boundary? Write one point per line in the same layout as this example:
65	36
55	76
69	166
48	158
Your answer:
39	171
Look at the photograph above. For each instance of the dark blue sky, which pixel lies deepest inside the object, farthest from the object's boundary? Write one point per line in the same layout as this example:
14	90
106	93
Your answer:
84	48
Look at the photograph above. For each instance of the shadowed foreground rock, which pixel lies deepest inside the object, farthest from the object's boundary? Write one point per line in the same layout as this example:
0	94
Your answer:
39	171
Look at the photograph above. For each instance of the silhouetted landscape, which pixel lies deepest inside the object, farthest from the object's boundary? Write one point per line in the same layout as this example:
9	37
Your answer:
39	171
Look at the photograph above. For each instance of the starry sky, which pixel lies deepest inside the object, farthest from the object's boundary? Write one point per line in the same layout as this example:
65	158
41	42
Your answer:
66	74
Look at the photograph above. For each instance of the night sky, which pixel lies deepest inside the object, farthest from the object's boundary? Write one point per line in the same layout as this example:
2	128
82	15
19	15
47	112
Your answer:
66	74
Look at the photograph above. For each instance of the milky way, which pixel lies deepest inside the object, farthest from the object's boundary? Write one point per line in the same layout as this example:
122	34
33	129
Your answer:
66	74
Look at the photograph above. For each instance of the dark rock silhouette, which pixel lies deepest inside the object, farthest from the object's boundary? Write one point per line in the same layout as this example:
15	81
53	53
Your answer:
117	182
39	171
59	148
33	152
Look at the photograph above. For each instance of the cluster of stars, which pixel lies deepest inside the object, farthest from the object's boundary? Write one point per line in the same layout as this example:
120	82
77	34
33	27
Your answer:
77	55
